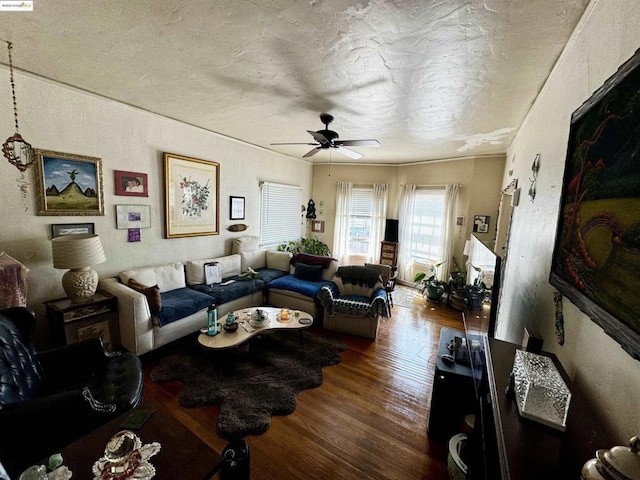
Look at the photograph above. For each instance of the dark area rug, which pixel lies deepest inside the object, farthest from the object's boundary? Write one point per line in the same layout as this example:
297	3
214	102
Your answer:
251	386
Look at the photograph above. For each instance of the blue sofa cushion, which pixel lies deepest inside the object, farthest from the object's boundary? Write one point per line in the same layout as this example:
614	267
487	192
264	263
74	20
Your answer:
220	294
180	303
303	287
268	275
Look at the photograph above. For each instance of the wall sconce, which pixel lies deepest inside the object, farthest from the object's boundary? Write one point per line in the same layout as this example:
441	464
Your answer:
78	253
535	167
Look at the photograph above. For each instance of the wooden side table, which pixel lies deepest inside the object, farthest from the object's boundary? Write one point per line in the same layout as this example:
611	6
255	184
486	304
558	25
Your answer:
72	322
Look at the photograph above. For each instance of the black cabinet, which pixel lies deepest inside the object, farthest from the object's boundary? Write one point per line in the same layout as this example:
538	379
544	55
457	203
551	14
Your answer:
453	394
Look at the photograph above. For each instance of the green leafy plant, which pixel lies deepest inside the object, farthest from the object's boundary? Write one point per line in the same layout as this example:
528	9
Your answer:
457	279
433	287
479	281
425	278
312	246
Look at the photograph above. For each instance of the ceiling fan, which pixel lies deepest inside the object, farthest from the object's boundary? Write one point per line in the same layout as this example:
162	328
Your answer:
325	139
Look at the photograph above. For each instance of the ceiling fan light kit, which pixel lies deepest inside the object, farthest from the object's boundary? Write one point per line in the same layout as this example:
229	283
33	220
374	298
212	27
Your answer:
326	139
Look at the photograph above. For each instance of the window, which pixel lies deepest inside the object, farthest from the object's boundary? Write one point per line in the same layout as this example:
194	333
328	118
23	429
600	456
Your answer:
427	222
360	220
279	213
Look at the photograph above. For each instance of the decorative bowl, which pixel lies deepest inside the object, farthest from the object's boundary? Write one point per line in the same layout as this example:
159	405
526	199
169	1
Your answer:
259	318
230	327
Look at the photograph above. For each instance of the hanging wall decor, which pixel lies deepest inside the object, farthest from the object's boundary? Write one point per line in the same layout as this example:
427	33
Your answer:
597	248
16	149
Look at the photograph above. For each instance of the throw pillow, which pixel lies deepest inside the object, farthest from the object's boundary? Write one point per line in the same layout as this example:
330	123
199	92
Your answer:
152	294
310	273
278	260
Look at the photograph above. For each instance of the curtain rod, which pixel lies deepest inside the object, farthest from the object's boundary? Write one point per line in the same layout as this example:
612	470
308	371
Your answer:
435	185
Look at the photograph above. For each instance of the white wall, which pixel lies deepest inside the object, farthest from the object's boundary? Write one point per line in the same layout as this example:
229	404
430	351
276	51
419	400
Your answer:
607	36
59	118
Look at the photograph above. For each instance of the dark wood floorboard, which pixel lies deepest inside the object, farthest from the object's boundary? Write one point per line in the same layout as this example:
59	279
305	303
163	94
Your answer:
367	420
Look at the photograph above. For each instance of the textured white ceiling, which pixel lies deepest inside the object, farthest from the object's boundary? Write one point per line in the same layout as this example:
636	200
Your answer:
429	79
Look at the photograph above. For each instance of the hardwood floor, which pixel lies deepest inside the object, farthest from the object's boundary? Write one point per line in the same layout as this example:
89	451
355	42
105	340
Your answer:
367	420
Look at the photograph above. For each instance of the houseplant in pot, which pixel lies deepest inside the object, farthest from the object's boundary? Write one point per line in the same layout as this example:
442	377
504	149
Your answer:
457	289
432	288
475	293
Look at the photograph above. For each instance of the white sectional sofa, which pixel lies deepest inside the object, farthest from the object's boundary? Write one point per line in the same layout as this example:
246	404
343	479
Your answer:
185	298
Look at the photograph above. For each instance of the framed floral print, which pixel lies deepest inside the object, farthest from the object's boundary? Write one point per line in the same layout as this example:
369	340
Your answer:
192	196
68	184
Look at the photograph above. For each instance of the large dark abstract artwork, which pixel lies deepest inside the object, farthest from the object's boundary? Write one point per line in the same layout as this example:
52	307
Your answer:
596	260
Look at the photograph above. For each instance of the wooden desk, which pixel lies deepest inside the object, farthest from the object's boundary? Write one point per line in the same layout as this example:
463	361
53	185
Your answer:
182	454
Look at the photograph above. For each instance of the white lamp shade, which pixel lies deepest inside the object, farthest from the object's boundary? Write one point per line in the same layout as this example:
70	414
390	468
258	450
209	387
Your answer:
77	251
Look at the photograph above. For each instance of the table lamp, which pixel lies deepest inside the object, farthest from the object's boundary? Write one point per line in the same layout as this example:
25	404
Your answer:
78	253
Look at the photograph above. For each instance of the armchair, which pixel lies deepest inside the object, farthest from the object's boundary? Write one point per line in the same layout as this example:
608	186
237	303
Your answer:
355	301
49	399
389	276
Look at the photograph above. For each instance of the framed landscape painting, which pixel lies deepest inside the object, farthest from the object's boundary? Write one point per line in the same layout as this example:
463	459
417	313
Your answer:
191	196
596	259
68	184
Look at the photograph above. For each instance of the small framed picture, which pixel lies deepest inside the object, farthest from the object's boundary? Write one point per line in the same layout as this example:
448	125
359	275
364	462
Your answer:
481	223
131	184
317	226
133	216
236	211
59	229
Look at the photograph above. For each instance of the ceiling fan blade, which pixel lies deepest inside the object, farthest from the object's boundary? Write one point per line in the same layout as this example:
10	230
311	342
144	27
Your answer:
320	138
306	143
358	143
311	153
349	153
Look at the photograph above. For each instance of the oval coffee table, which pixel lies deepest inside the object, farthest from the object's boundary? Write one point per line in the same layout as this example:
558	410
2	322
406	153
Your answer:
225	339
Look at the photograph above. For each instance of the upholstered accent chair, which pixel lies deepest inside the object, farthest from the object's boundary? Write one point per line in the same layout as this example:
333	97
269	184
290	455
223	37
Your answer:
51	398
355	302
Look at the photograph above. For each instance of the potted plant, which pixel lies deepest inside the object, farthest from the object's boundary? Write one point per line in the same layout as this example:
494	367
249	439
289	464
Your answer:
432	288
475	293
312	246
457	289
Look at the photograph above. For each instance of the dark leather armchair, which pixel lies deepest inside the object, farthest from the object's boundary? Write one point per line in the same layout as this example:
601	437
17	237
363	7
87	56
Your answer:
49	399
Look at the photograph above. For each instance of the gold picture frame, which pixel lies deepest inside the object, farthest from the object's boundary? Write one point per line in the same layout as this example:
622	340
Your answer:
192	196
68	184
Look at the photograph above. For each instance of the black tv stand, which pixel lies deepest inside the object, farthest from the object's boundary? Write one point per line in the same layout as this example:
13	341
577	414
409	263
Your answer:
453	394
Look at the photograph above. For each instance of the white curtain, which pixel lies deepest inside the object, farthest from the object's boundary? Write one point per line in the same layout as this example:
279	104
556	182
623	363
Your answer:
405	231
341	227
448	227
379	214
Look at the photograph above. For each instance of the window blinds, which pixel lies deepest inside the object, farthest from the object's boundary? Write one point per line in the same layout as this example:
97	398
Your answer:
280	213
